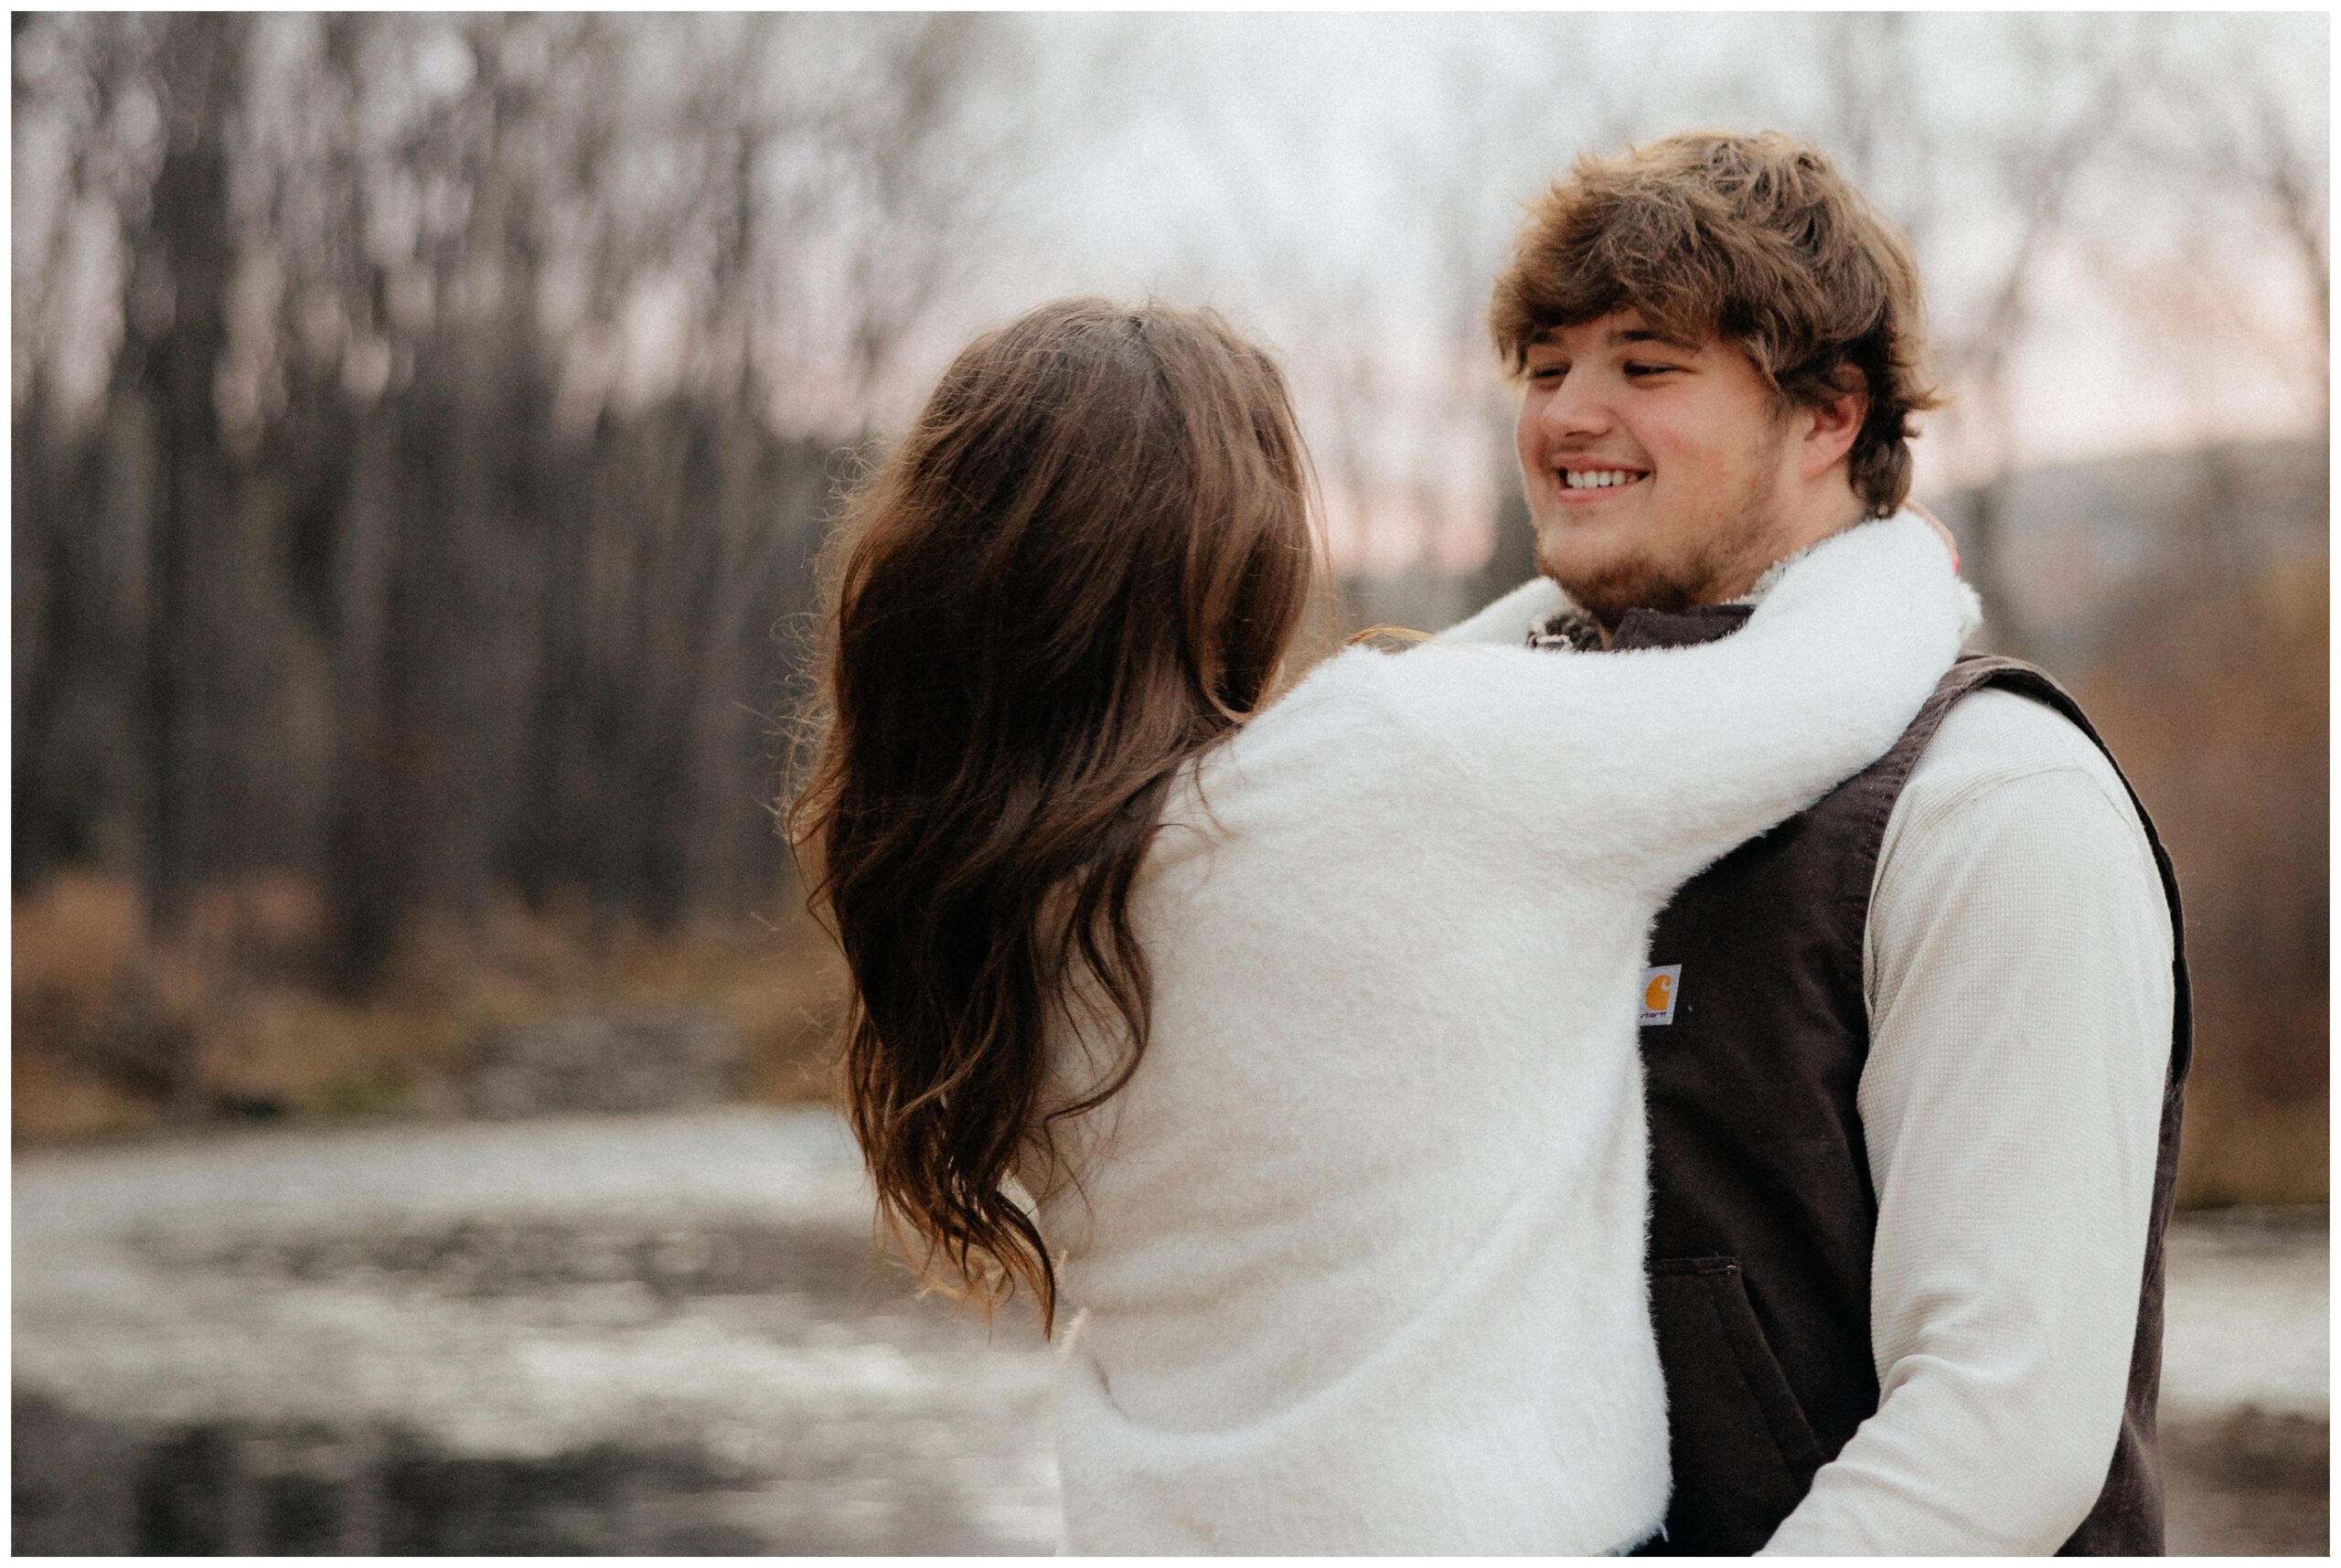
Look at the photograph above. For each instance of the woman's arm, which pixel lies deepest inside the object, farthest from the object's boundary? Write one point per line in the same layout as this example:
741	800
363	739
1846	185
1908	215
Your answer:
1647	764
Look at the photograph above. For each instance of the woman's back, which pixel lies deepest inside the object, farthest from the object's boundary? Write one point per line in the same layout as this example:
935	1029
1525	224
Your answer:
1391	1082
1345	1167
1360	1243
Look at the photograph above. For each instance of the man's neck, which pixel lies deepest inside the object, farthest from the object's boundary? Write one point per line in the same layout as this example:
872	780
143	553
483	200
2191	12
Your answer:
1823	516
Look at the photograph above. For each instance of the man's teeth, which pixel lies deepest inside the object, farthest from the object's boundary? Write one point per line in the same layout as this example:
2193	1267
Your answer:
1596	478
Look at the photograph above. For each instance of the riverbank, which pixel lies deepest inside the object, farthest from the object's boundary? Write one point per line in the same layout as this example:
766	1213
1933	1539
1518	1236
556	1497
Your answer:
670	1334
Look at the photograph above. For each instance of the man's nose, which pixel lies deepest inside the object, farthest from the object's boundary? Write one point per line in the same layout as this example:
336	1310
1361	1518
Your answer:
1575	408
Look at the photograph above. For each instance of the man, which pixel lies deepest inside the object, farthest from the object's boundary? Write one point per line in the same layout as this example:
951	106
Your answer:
1914	1058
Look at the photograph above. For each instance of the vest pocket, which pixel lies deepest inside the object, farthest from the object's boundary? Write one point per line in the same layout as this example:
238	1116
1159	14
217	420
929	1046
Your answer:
1743	1454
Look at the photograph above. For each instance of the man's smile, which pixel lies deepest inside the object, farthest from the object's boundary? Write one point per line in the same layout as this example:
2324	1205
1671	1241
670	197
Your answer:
1579	485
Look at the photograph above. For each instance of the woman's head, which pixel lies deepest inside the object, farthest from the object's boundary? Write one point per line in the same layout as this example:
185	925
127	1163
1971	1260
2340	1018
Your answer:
1096	500
1081	566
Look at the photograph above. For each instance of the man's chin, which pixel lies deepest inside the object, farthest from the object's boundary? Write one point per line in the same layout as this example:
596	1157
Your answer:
1606	590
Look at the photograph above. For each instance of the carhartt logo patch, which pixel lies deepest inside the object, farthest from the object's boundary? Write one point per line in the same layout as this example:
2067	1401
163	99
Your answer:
1659	986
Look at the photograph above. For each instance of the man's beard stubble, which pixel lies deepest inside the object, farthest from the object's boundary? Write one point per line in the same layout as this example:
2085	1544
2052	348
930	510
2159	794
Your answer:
1640	582
1708	572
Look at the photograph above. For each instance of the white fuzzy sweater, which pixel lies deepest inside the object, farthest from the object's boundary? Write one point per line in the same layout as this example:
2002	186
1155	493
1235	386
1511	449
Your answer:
1357	1253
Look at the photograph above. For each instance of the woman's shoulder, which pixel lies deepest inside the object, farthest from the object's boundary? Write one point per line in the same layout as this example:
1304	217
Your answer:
1334	703
1433	685
1378	721
1373	690
1338	729
1343	687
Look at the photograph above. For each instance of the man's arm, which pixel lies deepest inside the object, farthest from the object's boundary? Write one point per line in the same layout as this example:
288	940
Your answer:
2020	1002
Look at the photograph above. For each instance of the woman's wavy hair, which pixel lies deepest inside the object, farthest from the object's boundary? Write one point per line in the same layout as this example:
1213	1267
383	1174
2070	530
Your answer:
1079	571
1755	238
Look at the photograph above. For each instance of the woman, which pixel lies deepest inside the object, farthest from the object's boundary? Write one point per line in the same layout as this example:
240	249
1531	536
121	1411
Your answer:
1307	1029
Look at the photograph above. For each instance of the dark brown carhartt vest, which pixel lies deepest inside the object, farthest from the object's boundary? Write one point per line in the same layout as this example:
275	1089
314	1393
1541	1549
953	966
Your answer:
1762	1215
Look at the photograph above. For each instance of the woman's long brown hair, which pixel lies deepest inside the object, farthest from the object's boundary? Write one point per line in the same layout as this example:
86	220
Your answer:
1079	571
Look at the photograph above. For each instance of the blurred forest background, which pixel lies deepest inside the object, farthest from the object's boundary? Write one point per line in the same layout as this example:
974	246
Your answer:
422	428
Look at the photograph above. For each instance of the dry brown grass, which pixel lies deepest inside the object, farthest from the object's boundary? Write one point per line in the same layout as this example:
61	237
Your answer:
2257	1128
93	1005
2240	1147
97	1009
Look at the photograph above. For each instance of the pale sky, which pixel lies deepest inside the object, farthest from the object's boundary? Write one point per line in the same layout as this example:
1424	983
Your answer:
1344	187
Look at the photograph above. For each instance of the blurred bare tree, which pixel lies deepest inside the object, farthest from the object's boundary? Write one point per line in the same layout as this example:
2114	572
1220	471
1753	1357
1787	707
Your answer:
423	424
2150	156
464	401
2212	684
1986	199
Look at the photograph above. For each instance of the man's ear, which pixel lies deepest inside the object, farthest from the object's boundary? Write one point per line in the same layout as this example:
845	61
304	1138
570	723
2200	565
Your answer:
1834	424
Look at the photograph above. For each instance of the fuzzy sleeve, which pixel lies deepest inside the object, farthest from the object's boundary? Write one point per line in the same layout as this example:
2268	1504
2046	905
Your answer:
1643	766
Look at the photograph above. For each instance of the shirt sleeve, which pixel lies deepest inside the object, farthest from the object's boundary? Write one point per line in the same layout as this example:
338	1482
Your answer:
2020	1002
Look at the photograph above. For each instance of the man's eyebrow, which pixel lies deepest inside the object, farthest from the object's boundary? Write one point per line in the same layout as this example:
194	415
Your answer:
1645	334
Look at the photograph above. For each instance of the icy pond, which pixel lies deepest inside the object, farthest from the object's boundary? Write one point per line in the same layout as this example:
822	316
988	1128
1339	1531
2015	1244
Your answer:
670	1334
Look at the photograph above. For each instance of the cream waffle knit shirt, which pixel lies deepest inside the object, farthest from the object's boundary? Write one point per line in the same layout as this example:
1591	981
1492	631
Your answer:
1357	1252
2017	966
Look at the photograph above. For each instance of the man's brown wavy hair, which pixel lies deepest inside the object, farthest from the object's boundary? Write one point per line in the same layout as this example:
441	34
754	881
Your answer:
1079	571
1753	239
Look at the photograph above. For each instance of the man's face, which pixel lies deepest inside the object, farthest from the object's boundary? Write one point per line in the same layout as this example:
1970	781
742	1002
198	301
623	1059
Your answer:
1657	472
